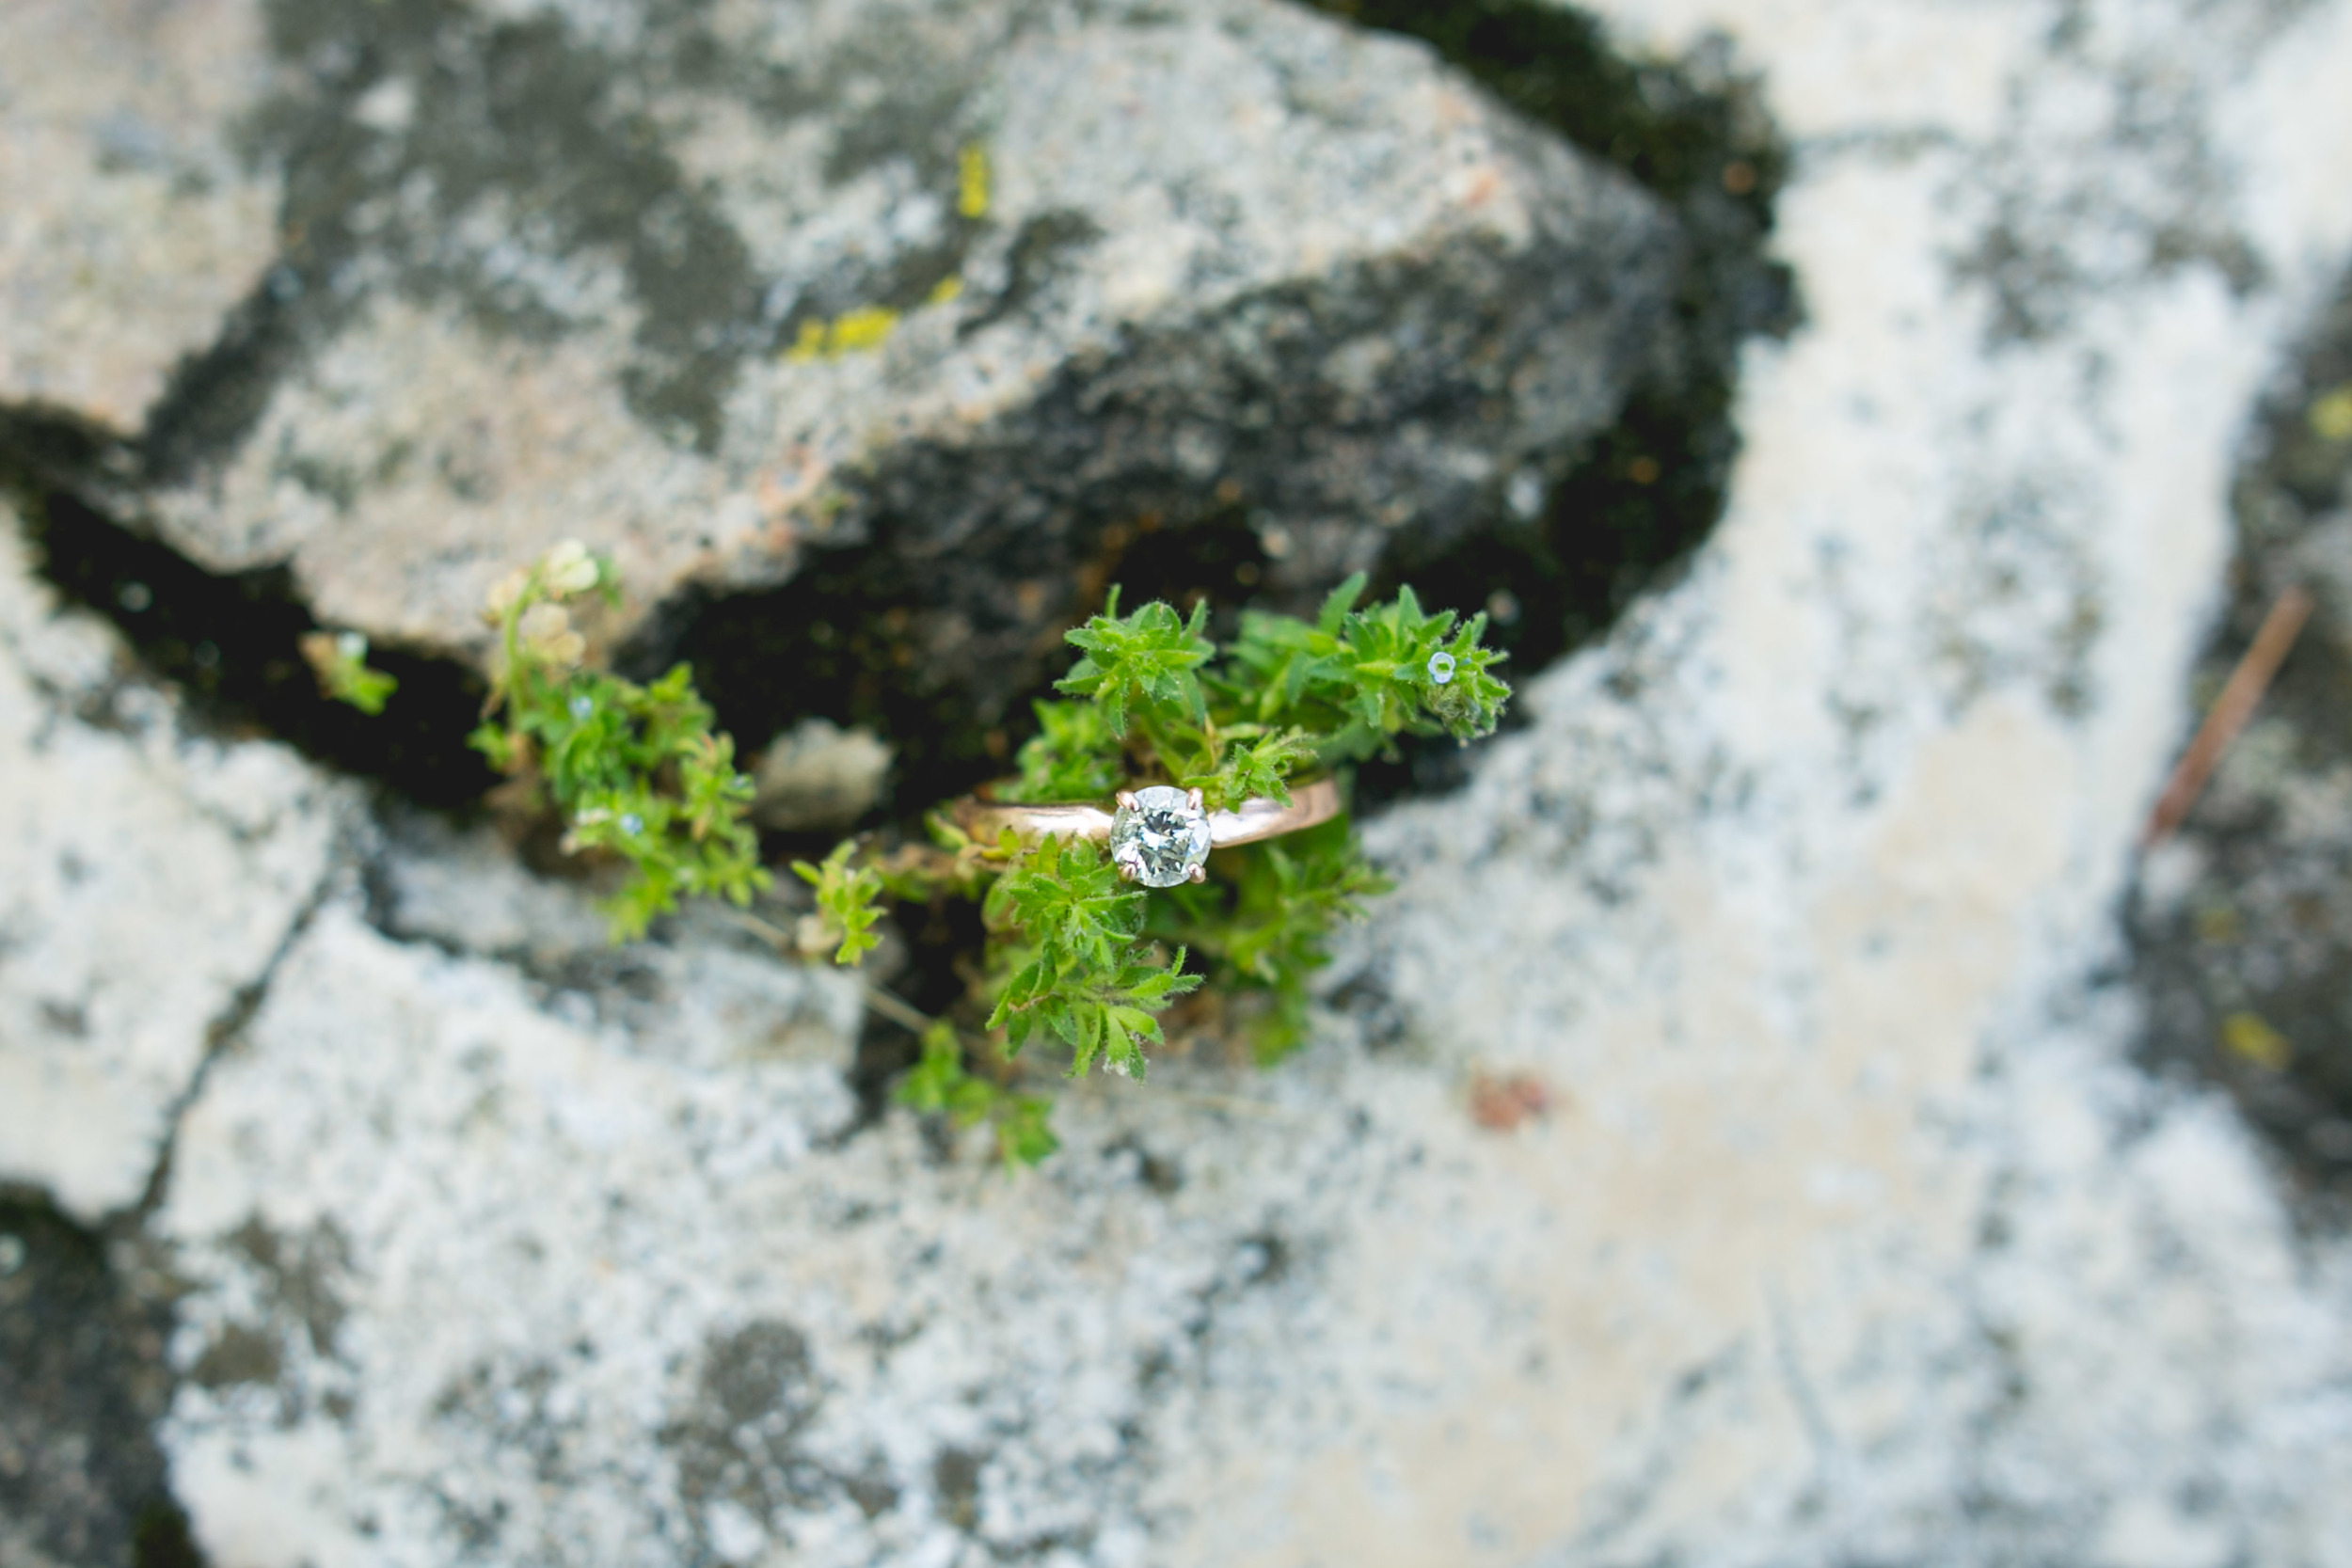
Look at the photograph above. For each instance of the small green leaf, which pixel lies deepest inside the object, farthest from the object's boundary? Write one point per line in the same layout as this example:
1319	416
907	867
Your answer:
1333	615
846	901
1255	769
1023	1136
1073	756
1148	659
940	1084
340	661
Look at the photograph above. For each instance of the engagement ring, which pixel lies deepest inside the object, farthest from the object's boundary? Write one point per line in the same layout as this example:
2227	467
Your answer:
1159	835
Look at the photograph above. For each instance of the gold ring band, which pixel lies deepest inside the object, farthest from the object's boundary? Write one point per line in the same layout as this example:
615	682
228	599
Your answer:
1317	800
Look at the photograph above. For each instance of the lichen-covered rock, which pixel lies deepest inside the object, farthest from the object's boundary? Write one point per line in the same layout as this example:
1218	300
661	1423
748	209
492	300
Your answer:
81	1385
132	226
2244	919
711	991
710	287
148	875
1823	1218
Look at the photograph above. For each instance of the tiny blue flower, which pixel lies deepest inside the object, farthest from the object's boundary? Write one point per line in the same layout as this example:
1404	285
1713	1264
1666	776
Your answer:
1442	667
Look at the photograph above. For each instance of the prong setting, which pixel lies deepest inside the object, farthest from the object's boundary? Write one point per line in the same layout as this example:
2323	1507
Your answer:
1160	836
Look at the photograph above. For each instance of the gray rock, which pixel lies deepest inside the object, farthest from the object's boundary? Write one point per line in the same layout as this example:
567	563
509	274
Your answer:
819	775
1848	1233
712	287
133	226
81	1385
709	991
2244	919
148	875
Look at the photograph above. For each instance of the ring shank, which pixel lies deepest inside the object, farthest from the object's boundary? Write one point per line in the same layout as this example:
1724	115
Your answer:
1316	801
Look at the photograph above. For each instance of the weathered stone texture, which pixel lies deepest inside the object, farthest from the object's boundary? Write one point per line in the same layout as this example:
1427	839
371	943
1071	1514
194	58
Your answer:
130	224
2244	919
1849	1234
710	285
146	875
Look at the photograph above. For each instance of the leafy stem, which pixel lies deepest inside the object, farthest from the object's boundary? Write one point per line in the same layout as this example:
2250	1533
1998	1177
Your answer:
636	771
1074	957
1079	958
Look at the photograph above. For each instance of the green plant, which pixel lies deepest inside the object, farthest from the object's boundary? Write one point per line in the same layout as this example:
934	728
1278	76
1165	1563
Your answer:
845	908
636	771
941	1084
339	659
1078	958
1074	957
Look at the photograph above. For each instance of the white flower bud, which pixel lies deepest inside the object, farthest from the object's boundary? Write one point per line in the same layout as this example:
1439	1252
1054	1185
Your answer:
502	595
570	569
546	630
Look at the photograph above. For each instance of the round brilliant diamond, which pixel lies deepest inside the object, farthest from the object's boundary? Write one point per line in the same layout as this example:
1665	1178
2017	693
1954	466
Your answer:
1161	839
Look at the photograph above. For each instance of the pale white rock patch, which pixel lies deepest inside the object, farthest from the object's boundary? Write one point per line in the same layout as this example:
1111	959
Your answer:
132	223
148	875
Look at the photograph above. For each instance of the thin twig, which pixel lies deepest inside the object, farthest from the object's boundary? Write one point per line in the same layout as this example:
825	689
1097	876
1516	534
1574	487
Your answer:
889	1005
2229	714
885	1003
775	936
1232	1103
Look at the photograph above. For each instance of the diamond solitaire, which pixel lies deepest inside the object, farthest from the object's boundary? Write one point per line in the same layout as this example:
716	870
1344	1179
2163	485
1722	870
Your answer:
1160	836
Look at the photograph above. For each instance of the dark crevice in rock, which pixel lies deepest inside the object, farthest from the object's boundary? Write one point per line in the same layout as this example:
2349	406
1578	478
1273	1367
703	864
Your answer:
1636	502
82	1383
85	1319
229	641
941	942
2242	927
1129	467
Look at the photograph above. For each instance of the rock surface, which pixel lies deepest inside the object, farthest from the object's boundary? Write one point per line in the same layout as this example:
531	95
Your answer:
132	225
148	874
1846	1229
81	1385
1850	1232
819	776
2243	920
710	286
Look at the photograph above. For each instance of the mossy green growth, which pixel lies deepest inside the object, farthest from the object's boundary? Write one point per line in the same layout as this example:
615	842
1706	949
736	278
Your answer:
636	771
1076	957
339	659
